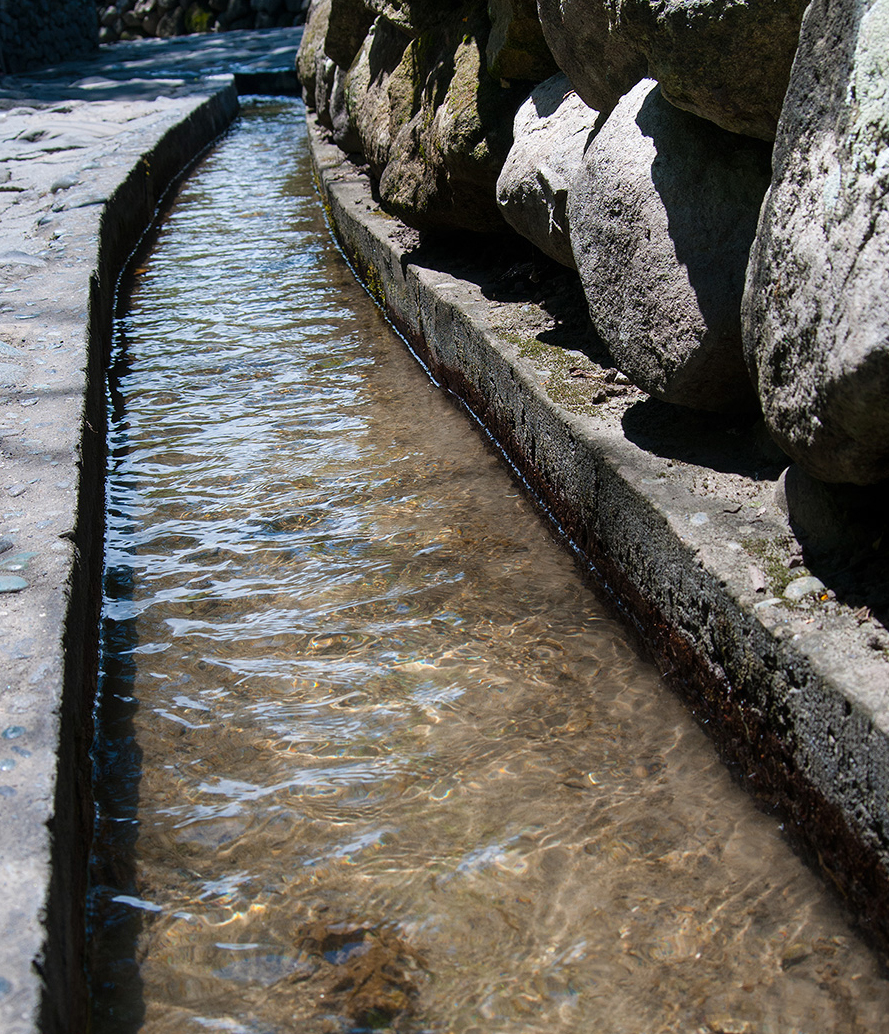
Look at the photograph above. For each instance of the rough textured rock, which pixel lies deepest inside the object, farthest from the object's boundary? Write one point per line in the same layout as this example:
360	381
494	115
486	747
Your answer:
380	92
601	65
551	131
41	33
349	23
840	522
325	72
726	60
662	216
311	49
516	46
434	126
343	129
816	319
138	19
416	17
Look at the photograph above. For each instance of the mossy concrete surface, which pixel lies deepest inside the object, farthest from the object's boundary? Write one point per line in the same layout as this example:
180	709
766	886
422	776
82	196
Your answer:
87	152
679	516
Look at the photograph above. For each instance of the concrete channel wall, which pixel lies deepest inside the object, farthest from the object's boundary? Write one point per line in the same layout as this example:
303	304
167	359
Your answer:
87	153
679	529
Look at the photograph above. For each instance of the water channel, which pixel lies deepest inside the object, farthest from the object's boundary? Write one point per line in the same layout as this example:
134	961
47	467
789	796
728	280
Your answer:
370	753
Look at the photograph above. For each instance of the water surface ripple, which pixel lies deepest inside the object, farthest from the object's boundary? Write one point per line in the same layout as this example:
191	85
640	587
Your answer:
371	754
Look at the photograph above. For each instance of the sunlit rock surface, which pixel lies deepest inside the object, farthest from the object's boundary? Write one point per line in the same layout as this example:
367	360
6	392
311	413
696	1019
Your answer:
550	131
816	319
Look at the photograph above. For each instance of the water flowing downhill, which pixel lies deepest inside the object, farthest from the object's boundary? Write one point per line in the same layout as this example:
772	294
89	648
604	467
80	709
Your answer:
369	753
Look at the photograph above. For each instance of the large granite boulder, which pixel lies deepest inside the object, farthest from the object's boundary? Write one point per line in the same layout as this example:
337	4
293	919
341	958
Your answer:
816	318
434	126
516	47
343	130
601	65
550	132
380	92
662	215
418	17
325	72
726	60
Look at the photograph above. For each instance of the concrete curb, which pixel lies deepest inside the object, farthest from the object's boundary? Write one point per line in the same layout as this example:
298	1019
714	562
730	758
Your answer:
49	690
793	694
129	212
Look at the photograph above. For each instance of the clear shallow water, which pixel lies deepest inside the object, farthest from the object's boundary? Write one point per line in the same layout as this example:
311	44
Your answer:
370	753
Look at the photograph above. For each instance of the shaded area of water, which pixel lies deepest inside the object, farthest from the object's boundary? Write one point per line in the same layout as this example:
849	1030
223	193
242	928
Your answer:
371	754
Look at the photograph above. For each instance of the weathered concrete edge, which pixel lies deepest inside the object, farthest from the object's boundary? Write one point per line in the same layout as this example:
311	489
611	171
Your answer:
784	715
127	215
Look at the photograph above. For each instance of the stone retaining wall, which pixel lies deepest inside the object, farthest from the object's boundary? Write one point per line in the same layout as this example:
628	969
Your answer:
713	176
141	19
715	170
43	32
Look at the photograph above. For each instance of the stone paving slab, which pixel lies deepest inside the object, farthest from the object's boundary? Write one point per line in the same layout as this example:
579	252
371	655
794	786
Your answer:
87	150
683	526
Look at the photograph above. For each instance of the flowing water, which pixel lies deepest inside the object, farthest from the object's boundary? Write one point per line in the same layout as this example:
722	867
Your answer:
371	755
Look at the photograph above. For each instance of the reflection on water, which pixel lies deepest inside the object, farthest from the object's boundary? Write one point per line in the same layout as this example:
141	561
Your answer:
372	756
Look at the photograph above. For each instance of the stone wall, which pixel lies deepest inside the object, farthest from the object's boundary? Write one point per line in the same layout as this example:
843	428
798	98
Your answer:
733	246
44	32
139	19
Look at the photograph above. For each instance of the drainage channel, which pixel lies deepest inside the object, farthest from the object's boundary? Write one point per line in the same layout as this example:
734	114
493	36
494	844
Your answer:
370	754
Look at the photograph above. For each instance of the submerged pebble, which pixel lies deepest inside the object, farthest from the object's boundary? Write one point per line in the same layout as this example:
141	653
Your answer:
12	583
13	732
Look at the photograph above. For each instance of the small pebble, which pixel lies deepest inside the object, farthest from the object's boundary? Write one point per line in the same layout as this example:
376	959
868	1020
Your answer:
802	587
16	562
12	583
6	544
7	791
13	732
5	986
17	490
7	765
63	182
757	578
